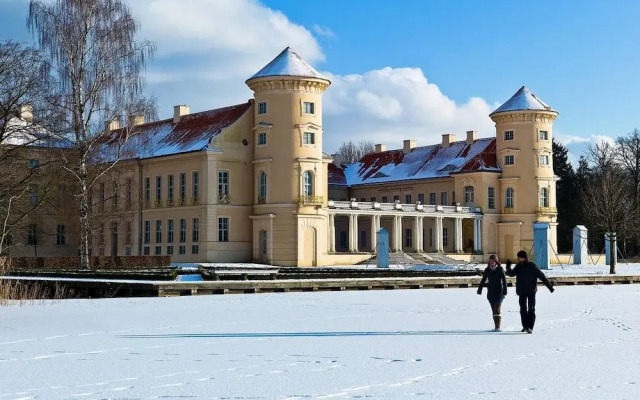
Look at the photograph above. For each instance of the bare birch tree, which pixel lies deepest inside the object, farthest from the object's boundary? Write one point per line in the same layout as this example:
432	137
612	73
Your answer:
351	152
98	65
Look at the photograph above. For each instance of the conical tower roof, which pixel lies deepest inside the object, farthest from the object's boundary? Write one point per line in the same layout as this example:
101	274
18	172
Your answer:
523	100
288	63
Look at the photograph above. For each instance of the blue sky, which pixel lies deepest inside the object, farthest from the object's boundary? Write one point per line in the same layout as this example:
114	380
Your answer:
412	69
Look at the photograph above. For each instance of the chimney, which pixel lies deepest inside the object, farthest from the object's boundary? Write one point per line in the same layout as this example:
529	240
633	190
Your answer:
337	160
26	112
409	145
180	111
381	147
136	120
447	139
471	137
112	125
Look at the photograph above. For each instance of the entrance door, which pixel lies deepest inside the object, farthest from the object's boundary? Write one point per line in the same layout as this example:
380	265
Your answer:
114	239
264	255
309	250
508	247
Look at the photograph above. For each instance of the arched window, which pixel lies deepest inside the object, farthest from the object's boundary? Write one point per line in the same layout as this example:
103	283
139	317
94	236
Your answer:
308	183
469	194
544	197
509	198
262	192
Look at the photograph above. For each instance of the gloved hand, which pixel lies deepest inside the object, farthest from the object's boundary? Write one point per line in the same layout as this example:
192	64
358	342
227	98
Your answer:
479	290
551	289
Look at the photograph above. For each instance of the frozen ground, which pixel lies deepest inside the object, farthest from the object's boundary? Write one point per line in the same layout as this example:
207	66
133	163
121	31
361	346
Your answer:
430	344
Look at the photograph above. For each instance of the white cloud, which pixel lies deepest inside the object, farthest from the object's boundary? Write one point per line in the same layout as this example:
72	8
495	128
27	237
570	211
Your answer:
392	104
323	31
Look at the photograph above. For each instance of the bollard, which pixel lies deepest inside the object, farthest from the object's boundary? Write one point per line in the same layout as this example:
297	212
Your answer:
607	248
541	252
580	248
382	250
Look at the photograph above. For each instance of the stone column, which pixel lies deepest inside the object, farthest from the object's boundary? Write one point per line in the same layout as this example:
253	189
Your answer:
397	233
437	235
457	229
375	227
353	230
477	235
416	236
332	233
420	235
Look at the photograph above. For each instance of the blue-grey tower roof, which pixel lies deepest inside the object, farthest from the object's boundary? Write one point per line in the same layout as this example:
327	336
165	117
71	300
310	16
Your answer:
523	100
288	63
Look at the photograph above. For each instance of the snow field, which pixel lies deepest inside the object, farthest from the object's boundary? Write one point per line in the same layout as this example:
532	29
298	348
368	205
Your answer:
431	344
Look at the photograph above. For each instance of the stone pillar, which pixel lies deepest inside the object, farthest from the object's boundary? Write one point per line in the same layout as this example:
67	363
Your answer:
375	227
580	250
353	236
437	235
477	235
397	233
416	236
541	232
420	235
382	248
332	233
457	229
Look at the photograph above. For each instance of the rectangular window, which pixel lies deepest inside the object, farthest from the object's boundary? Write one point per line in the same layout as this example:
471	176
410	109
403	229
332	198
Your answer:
445	236
385	199
183	230
147	189
147	232
508	135
158	250
158	231
543	135
103	196
169	250
170	231
343	240
183	188
491	198
396	199
443	198
509	160
408	238
421	198
373	199
32	234
101	235
158	189
453	197
129	194
363	199
127	234
544	160
195	234
262	107
145	250
432	199
196	185
308	108
116	194
407	199
170	189
262	138
223	183
309	138
61	235
182	249
223	229
194	249
363	239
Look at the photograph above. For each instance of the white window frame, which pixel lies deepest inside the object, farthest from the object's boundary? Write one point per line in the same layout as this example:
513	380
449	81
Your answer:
510	201
546	135
491	198
266	108
227	184
262	135
469	192
222	229
263	186
509	135
305	136
312	108
544	197
544	157
511	157
308	180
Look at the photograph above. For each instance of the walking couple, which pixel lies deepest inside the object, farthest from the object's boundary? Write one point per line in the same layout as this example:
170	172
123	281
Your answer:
527	275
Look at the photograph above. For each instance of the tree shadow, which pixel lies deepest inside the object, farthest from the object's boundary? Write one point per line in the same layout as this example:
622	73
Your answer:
236	335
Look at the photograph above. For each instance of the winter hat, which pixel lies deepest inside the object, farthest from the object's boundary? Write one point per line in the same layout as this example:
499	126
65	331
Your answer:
523	254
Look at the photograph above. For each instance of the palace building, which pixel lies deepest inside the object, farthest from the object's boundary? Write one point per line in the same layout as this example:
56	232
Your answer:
250	182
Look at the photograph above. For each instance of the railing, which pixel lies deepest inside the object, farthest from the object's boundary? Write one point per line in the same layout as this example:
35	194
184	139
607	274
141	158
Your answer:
224	199
262	200
546	210
399	207
157	203
509	210
170	202
194	201
310	200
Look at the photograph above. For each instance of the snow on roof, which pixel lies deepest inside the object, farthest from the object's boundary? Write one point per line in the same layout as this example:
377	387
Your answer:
288	63
522	100
426	162
192	133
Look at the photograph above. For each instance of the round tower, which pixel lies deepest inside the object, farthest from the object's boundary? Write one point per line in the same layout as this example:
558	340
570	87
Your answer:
524	132
289	168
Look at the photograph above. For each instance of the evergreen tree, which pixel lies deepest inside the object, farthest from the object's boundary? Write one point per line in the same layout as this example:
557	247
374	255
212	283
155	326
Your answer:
565	197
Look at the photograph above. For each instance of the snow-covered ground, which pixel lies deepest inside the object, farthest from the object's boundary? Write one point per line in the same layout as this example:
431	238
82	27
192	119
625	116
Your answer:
376	344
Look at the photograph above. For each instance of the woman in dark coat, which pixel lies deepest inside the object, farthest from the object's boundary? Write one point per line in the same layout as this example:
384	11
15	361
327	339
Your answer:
496	282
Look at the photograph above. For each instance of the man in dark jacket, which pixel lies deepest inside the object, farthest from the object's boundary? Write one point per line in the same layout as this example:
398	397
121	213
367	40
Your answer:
527	275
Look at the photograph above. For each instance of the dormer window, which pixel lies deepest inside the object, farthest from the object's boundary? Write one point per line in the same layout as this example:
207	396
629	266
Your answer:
308	107
508	135
262	107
